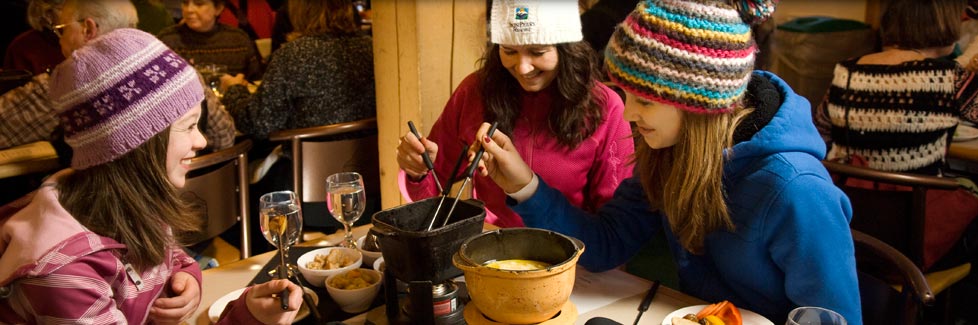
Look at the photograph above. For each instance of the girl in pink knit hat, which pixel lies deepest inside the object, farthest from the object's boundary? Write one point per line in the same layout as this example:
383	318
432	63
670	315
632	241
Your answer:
95	243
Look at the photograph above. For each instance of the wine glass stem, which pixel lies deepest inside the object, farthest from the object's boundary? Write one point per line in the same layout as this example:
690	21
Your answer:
348	238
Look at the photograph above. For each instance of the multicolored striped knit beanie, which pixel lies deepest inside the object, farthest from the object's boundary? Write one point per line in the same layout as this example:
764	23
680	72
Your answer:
695	55
117	92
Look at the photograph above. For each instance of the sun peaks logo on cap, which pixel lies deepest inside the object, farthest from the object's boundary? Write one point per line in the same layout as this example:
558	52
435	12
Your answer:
522	13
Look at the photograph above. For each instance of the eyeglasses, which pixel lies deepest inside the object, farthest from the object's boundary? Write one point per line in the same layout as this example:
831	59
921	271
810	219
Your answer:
60	28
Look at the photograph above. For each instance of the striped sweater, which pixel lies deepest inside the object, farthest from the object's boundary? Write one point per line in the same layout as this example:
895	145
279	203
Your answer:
897	117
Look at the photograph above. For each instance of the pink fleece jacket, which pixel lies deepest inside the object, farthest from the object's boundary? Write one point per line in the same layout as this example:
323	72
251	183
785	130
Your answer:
587	174
54	270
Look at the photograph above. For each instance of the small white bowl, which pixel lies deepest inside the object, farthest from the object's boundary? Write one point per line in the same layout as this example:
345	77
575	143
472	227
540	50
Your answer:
355	300
368	256
318	277
379	264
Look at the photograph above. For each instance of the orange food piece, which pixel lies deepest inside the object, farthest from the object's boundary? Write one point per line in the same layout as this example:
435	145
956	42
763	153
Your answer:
725	310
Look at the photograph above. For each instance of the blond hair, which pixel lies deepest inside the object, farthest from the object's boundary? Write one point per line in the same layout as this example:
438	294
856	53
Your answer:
685	180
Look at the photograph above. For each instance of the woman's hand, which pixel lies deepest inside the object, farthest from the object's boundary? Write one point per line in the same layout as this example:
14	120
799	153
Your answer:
173	310
264	304
228	80
501	161
409	155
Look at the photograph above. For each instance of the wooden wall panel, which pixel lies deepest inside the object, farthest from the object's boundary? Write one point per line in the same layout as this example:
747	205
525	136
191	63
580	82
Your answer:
422	50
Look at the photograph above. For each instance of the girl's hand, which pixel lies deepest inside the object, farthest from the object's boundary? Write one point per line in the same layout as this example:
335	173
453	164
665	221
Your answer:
501	161
409	152
263	302
173	310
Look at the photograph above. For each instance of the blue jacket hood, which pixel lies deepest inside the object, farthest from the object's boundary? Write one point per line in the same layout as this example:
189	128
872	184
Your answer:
791	130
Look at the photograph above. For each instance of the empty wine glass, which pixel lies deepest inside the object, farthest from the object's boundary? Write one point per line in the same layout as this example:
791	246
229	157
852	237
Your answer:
814	316
281	209
345	199
212	73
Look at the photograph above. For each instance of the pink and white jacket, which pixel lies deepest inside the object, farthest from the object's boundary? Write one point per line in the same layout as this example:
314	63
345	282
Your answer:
54	270
587	174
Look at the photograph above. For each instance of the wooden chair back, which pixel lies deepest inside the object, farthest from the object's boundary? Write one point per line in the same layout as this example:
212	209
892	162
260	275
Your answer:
218	186
880	266
318	152
895	217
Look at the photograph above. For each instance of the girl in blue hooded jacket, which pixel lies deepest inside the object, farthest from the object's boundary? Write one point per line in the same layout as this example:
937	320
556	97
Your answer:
731	171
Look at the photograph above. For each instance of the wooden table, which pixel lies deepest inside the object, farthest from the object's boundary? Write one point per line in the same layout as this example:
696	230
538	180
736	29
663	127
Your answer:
226	278
28	159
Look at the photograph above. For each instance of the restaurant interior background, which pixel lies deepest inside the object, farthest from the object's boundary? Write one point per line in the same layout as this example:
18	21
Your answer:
424	49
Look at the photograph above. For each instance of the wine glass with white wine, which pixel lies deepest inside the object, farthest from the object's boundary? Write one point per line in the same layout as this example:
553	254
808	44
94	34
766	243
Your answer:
346	199
281	222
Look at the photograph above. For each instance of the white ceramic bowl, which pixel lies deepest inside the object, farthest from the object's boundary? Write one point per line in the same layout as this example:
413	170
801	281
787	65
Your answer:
355	300
379	264
317	277
368	256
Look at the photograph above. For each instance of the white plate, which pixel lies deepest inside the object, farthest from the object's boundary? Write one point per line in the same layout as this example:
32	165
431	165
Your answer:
965	133
749	317
214	312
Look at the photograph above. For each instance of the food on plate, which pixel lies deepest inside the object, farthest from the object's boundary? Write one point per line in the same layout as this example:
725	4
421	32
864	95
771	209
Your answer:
334	260
722	313
684	321
517	265
354	279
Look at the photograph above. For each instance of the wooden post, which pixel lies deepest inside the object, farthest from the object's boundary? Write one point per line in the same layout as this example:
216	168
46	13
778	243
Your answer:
422	50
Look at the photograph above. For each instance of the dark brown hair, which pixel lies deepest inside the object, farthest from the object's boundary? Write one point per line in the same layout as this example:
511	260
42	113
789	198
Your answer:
132	201
576	110
313	17
919	24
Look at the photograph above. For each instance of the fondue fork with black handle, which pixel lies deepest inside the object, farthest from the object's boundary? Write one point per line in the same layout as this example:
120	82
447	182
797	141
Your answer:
451	180
469	172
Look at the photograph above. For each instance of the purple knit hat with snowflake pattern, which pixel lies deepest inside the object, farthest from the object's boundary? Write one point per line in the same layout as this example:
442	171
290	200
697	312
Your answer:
117	92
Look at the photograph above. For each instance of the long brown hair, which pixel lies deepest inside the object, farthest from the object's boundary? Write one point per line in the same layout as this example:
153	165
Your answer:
576	110
313	17
686	180
132	201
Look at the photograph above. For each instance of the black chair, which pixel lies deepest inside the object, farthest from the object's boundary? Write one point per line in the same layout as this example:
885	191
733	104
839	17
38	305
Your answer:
891	287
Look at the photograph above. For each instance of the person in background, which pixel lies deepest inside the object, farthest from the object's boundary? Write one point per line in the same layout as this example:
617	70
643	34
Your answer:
153	16
255	17
541	85
731	169
599	21
36	50
201	39
27	114
104	229
897	110
324	76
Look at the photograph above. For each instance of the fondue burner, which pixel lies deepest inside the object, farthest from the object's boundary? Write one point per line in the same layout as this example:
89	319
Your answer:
422	259
567	315
444	305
